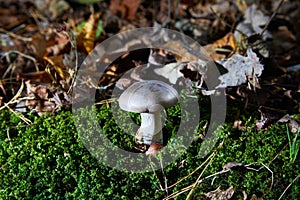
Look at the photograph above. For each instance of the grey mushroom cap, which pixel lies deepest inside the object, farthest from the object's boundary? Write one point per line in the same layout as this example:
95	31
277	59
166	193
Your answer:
148	96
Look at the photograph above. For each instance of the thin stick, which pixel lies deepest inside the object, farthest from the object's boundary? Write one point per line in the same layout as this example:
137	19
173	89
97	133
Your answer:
15	36
74	44
14	98
25	56
106	101
215	174
271	18
10	68
152	167
3	166
271	173
190	187
191	172
164	175
7	133
27	121
196	182
175	194
288	186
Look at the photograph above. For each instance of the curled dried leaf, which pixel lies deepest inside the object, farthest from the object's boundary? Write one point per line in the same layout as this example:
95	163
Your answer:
87	36
240	68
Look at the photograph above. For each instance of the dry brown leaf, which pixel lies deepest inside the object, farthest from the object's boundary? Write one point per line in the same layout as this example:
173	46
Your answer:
62	98
222	48
87	36
39	77
9	19
60	68
58	45
126	9
254	197
231	165
41	100
219	194
283	41
293	124
39	45
238	124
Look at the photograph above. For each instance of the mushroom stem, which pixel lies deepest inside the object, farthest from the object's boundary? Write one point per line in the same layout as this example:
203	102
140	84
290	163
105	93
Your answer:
150	131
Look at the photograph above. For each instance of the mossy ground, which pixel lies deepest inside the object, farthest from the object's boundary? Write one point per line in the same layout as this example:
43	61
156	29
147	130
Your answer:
47	160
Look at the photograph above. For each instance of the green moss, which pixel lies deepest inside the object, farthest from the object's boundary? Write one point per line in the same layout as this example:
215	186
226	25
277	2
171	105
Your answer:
47	160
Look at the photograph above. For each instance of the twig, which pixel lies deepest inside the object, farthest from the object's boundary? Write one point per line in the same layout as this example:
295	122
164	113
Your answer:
27	121
191	186
12	101
200	166
74	44
271	18
15	36
7	133
14	98
175	194
25	56
225	171
3	166
169	10
213	175
107	101
288	186
222	20
271	173
164	175
196	182
11	68
276	155
152	167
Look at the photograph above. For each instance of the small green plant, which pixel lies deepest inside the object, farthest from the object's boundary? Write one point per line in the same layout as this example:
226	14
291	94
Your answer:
294	145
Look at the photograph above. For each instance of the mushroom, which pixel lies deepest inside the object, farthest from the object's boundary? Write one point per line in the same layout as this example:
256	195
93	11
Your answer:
149	98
